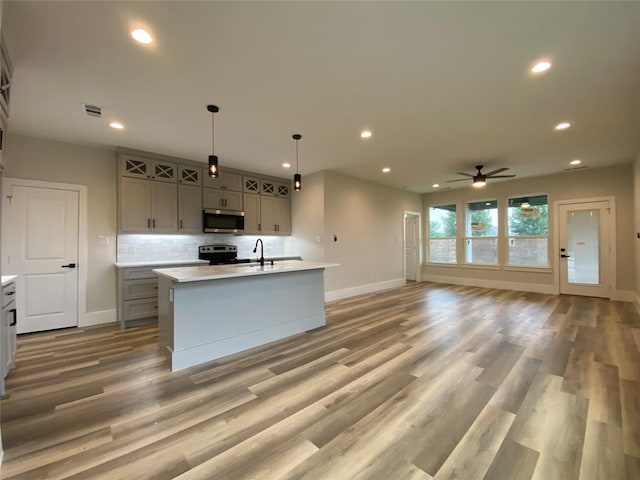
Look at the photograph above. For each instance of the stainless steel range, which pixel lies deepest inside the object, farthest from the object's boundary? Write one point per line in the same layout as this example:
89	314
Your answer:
221	254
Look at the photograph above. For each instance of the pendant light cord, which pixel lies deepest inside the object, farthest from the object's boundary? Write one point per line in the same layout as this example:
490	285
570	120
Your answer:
297	156
213	143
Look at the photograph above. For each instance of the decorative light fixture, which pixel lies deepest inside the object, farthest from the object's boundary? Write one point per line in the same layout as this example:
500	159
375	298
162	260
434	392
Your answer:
479	180
297	178
213	160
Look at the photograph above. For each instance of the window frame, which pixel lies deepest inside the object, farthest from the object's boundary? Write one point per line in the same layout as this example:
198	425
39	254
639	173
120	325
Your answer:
455	238
528	267
466	238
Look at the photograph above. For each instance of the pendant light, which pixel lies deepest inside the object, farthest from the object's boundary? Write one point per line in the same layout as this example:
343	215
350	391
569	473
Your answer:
297	178
213	159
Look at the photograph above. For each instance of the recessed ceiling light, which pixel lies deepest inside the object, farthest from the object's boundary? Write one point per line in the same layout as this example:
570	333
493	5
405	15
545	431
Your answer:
562	126
541	66
116	125
575	162
435	185
386	170
141	35
365	133
286	165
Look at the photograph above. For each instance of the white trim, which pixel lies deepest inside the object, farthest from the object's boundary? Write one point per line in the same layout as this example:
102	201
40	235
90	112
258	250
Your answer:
83	256
612	240
528	269
623	295
498	284
98	318
362	289
418	245
480	266
441	264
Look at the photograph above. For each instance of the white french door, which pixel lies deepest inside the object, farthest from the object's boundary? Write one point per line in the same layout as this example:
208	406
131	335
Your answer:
40	244
584	235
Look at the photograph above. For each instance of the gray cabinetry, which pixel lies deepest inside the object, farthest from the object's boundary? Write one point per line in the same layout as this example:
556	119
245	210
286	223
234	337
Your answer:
221	199
138	294
275	215
226	180
189	209
147	206
251	213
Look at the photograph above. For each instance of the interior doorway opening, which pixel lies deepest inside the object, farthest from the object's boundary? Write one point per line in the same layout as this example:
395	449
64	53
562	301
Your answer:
412	250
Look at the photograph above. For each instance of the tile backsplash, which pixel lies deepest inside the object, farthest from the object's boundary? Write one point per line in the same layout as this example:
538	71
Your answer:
143	248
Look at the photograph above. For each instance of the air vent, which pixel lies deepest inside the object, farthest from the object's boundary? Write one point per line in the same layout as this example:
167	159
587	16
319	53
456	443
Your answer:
93	110
580	167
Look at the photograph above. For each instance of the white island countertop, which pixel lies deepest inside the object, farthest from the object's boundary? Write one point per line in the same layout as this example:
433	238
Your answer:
216	272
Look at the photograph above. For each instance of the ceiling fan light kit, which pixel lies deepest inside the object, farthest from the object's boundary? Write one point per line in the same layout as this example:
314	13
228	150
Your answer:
479	179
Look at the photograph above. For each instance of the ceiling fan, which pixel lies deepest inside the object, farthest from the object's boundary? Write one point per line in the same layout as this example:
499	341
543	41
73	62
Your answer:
480	179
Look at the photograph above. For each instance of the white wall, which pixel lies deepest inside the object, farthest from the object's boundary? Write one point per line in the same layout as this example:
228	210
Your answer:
614	181
367	220
37	159
308	237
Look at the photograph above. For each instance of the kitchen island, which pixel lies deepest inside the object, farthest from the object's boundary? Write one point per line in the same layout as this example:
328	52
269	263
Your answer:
208	312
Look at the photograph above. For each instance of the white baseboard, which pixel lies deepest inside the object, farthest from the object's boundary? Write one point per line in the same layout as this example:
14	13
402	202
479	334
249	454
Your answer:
98	318
623	295
500	285
362	289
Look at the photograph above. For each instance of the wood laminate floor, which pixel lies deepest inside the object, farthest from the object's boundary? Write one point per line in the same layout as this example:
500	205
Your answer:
427	381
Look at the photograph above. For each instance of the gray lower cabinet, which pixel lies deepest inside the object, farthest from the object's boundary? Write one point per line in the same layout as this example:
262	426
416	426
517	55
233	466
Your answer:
138	294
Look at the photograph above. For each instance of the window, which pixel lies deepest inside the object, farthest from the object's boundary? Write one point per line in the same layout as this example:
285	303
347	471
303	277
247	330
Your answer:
481	232
528	232
442	234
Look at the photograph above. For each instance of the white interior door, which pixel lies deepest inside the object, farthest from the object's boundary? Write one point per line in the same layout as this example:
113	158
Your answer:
411	243
40	235
585	251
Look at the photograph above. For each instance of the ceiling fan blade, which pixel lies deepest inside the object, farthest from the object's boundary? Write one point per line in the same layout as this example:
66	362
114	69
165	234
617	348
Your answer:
458	180
497	170
501	176
465	174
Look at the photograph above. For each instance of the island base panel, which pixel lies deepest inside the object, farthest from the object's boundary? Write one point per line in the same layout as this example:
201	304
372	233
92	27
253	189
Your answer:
221	348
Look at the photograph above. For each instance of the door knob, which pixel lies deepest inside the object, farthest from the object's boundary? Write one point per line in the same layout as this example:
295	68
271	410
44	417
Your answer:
69	265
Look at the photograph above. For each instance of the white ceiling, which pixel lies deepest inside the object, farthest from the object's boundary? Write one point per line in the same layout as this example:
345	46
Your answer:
443	86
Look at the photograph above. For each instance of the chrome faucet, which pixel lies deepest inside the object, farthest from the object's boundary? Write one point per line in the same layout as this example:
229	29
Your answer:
261	259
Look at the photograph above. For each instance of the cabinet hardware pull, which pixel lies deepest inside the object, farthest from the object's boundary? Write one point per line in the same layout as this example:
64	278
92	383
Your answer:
153	223
14	312
148	223
180	224
10	293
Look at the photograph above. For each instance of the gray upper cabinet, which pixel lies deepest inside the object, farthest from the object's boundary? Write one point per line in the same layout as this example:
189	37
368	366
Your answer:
6	74
163	196
215	198
250	184
224	181
189	209
140	167
146	206
274	188
188	175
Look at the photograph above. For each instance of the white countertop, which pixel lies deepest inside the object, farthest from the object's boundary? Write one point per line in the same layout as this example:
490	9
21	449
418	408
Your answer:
8	279
216	272
158	263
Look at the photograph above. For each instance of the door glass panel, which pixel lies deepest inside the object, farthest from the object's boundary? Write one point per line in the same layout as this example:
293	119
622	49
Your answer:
583	247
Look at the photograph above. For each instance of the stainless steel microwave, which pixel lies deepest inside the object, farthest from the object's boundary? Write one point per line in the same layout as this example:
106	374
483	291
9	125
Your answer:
222	221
